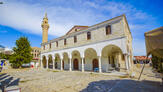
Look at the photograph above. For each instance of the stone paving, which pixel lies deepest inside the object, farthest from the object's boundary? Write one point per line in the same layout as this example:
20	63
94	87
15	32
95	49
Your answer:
41	80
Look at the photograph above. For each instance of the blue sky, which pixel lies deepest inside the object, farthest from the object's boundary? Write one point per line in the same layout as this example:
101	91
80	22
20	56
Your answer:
24	17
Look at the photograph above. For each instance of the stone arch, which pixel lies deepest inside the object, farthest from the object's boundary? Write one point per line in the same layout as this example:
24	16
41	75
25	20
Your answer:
57	61
123	50
65	61
111	56
90	54
44	61
76	58
50	61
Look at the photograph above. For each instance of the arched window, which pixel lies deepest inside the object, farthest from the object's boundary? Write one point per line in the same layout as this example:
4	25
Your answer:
108	30
56	43
88	35
75	39
44	47
50	45
65	42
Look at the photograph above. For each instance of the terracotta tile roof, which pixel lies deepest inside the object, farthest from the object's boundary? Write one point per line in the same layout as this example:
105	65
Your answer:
35	58
141	58
77	27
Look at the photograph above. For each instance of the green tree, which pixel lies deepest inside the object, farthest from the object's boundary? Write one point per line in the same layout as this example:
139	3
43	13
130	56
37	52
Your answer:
157	63
4	56
22	52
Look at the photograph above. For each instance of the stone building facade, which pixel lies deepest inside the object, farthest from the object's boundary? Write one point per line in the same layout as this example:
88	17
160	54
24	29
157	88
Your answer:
36	56
104	47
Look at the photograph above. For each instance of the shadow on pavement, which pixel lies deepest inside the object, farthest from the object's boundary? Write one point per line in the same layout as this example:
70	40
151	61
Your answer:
2	74
123	86
7	81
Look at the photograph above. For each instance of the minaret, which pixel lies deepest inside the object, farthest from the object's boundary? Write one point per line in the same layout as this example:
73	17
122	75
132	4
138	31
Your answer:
45	27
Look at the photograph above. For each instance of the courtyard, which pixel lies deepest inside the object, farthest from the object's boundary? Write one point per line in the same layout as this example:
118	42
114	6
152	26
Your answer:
42	80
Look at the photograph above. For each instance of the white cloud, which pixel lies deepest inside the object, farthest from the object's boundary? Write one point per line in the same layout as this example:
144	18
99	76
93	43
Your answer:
27	16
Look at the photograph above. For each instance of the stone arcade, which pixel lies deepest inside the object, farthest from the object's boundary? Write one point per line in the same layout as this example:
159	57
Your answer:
106	46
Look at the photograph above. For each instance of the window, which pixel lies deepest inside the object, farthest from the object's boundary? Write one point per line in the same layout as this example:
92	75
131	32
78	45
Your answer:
44	47
88	35
50	45
75	39
76	30
108	30
64	41
56	43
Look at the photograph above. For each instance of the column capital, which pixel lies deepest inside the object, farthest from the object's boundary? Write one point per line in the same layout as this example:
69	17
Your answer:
70	57
99	56
61	58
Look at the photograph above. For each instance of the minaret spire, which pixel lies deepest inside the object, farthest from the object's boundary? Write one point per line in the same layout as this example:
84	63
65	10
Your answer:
45	27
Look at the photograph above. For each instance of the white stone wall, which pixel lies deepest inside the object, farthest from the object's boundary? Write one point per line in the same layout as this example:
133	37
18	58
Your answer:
97	34
120	37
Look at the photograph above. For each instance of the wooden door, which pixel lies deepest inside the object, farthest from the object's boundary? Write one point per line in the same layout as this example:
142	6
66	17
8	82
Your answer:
95	63
63	64
76	64
56	66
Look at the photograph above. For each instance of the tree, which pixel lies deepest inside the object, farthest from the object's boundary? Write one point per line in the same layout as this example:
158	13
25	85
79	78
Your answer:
4	56
157	63
22	52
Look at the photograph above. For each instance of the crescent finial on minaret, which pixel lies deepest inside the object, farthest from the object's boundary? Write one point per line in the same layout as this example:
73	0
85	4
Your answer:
45	15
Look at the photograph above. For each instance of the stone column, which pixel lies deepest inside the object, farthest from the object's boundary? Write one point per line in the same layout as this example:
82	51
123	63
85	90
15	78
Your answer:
82	61
129	61
99	64
126	61
47	64
54	63
118	59
41	65
61	64
70	67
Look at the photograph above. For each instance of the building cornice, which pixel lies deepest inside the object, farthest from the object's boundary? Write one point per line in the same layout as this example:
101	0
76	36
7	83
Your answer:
85	44
90	28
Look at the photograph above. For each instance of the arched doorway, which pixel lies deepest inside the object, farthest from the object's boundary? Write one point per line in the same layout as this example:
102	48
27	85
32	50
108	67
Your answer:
94	64
63	64
50	62
65	59
44	61
76	60
76	64
90	55
57	61
111	57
